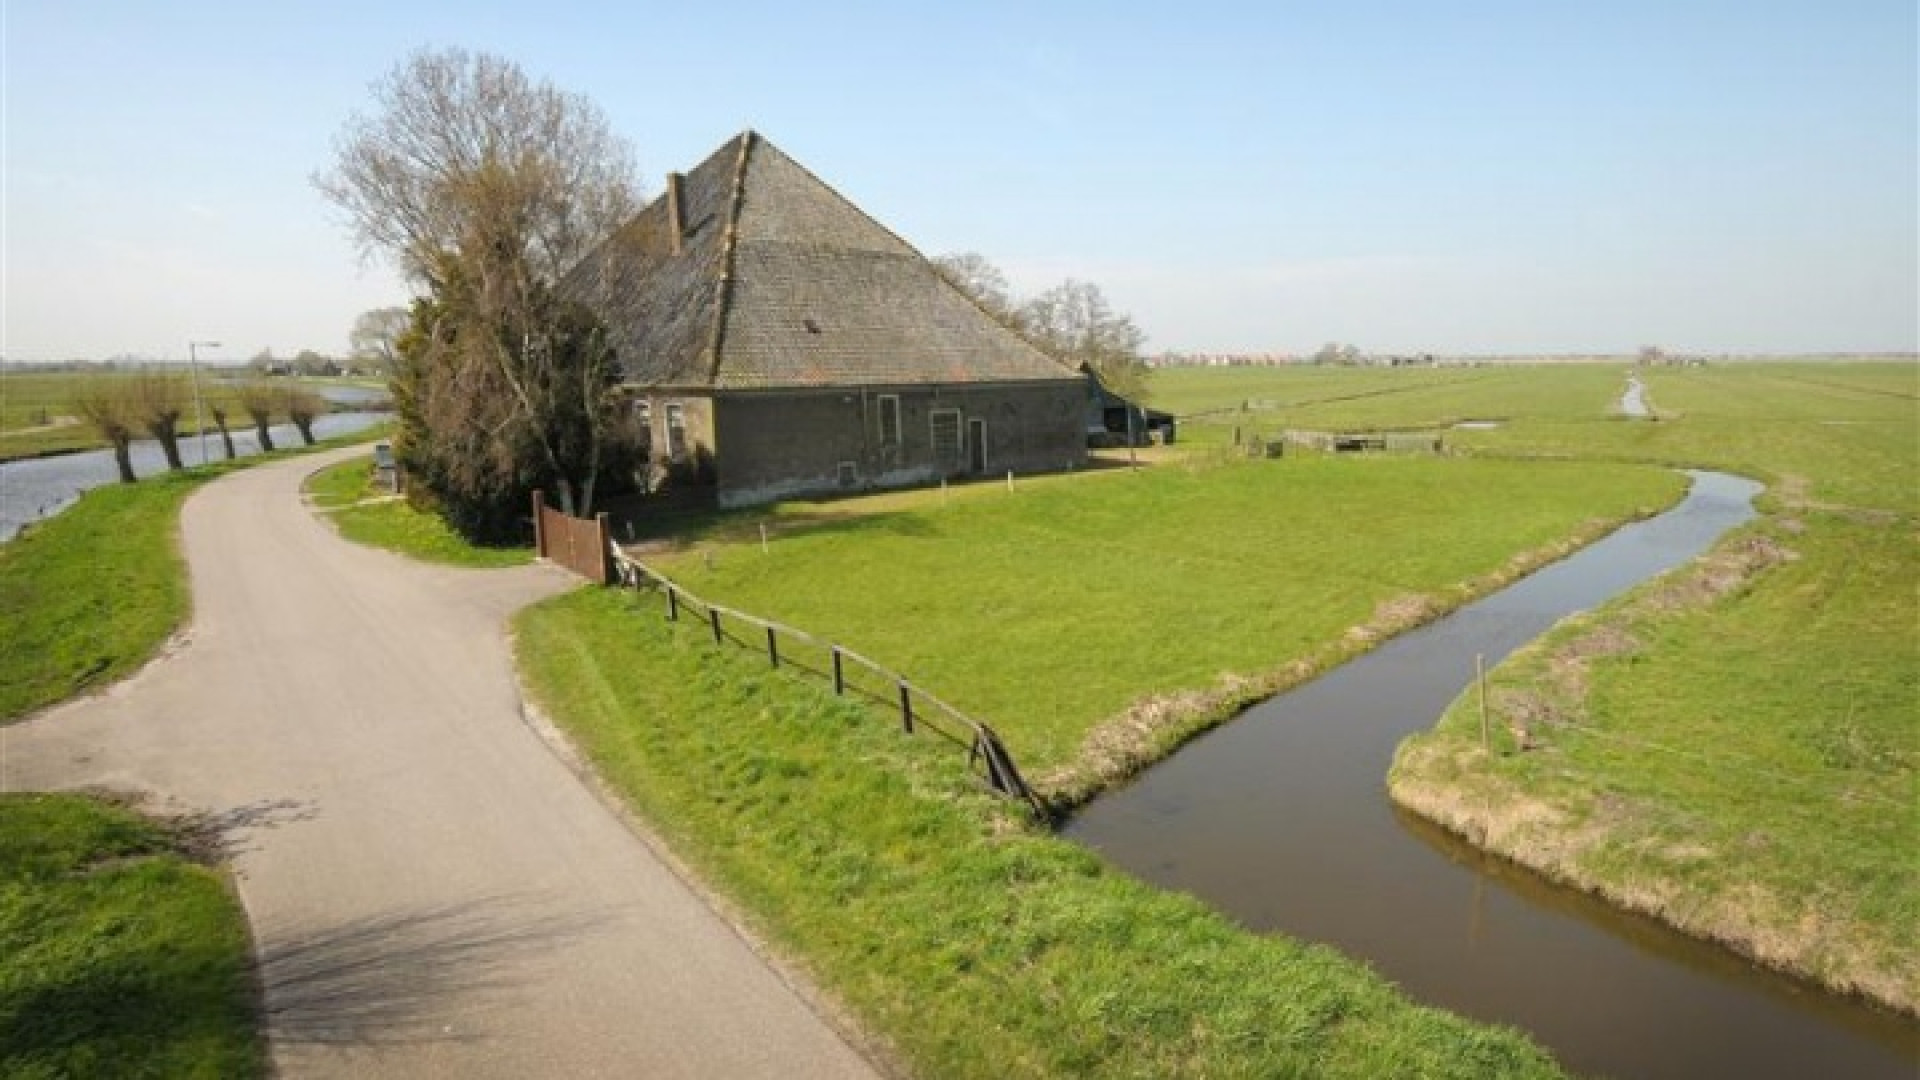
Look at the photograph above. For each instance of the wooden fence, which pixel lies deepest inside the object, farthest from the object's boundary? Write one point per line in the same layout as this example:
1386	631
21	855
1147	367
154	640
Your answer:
581	545
851	674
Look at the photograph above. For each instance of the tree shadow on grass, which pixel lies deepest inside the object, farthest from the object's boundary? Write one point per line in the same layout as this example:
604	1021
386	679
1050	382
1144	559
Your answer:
410	977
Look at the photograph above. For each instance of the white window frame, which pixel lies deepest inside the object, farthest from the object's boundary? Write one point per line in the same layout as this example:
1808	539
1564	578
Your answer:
676	431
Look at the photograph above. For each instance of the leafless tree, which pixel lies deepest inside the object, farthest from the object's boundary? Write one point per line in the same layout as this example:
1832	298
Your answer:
103	402
485	188
1074	322
158	400
260	400
301	406
973	274
375	335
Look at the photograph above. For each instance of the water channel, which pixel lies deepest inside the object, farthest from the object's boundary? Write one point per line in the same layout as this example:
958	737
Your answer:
37	488
1281	820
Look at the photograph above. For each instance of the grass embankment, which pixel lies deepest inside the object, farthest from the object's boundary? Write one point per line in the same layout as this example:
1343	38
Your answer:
367	514
118	955
1733	748
974	944
1095	621
93	592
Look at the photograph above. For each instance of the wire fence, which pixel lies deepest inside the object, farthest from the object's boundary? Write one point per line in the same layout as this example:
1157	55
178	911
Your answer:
851	674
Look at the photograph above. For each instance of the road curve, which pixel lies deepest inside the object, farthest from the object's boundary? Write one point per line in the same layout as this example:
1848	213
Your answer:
432	892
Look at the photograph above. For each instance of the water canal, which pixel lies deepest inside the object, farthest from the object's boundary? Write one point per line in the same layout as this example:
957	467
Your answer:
36	488
1281	820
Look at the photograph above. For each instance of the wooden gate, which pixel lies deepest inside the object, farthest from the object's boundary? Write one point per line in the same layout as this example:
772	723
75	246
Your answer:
584	546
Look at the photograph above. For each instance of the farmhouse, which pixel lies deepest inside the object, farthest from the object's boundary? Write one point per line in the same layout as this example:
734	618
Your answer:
775	341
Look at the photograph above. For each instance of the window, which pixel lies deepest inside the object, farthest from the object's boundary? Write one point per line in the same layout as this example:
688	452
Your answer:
946	436
889	420
676	432
643	423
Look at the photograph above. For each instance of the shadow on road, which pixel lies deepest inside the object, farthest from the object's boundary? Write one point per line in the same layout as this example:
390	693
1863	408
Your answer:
390	979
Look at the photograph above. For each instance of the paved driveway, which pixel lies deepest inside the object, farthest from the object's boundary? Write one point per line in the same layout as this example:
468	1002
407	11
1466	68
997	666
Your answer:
433	893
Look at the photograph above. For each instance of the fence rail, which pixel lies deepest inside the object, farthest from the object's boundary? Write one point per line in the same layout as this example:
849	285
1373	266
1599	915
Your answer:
919	710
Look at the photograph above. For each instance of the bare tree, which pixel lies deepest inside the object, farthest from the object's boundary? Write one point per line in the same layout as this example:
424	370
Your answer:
157	401
219	410
1074	322
973	274
485	188
260	400
302	406
104	404
376	334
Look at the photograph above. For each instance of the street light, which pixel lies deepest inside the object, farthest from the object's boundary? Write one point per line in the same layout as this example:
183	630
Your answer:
193	362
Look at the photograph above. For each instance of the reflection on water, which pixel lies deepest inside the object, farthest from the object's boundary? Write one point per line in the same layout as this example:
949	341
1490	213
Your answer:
1280	819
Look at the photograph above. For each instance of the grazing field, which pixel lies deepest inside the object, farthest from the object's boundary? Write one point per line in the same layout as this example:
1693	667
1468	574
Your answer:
968	942
365	515
118	955
1094	620
1265	401
1733	748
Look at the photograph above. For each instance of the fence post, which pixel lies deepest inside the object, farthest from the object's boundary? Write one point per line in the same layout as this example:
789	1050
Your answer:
839	676
673	604
540	524
773	647
713	616
605	529
1480	678
906	708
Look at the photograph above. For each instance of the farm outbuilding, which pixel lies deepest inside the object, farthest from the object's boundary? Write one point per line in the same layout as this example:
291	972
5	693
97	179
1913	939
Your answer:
777	341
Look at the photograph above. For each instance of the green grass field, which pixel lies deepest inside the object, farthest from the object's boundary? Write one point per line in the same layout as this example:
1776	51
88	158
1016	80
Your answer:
118	955
1733	748
362	514
1069	603
969	942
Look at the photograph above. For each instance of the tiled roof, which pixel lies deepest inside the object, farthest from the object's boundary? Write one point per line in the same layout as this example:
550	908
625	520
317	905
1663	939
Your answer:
784	283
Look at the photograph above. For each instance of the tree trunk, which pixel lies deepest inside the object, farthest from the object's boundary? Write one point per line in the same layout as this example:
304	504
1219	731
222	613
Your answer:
226	437
123	458
169	439
305	427
266	440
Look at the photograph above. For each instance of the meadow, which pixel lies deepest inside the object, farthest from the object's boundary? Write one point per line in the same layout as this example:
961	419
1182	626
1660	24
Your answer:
1731	748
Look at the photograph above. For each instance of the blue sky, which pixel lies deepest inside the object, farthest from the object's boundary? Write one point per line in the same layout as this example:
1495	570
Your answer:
1448	177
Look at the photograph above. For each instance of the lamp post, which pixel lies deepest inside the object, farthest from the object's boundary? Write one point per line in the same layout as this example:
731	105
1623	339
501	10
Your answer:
193	362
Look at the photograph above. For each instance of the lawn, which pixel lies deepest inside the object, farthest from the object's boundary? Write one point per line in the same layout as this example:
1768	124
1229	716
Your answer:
970	942
1733	748
1105	597
119	955
367	515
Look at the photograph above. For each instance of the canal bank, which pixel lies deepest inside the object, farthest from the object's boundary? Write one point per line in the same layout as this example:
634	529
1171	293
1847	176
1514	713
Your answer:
1279	820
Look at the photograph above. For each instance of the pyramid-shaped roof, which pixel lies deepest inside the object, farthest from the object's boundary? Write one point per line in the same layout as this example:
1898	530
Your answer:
780	282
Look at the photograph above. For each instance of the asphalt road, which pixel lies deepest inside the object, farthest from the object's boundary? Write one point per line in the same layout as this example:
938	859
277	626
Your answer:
433	893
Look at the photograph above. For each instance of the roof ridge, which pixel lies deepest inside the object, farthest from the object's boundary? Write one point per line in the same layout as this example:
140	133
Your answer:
729	242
